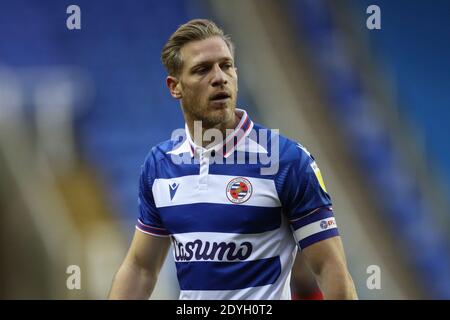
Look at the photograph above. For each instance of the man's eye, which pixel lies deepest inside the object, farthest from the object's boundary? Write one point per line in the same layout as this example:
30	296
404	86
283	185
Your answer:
201	70
227	66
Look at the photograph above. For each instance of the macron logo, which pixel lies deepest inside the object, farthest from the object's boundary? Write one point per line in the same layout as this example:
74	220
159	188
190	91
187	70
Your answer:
173	189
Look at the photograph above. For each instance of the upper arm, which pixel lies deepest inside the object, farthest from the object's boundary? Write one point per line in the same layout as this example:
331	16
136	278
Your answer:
326	252
305	200
151	239
148	252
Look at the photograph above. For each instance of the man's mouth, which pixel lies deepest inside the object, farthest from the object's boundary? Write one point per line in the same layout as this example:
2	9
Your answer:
220	96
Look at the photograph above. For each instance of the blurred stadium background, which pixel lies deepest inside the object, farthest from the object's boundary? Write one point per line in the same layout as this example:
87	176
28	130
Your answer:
80	109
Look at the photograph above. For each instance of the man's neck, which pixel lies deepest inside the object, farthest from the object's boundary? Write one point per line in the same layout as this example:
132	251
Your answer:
223	127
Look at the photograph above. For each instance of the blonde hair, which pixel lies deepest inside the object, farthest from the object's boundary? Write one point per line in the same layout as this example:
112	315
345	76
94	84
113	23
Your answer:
197	29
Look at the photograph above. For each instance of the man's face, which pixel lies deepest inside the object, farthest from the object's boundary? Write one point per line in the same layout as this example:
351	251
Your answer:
208	82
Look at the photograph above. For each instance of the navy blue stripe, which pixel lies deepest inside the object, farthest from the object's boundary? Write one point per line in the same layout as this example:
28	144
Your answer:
322	213
168	170
237	170
199	275
213	217
318	237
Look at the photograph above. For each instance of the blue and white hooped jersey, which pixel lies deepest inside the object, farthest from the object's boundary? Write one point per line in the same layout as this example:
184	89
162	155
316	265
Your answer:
234	230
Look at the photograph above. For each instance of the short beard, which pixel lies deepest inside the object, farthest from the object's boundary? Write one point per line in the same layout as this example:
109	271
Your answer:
209	120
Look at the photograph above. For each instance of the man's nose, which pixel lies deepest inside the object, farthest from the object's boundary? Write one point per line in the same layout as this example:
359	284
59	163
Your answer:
219	77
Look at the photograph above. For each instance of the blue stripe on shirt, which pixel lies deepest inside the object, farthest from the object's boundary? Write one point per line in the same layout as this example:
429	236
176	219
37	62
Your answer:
212	217
199	275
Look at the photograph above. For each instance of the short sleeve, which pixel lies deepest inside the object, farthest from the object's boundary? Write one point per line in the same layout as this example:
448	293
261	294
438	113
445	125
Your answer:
306	202
149	220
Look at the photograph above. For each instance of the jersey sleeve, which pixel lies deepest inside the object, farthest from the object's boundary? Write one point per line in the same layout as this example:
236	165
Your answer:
149	220
306	201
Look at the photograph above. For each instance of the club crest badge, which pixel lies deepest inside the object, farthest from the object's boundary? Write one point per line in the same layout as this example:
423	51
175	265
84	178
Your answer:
239	190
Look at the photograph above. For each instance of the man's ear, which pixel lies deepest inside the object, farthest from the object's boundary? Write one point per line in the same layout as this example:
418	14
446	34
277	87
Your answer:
174	87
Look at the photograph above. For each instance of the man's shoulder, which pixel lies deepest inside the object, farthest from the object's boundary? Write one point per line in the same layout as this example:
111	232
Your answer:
159	151
289	150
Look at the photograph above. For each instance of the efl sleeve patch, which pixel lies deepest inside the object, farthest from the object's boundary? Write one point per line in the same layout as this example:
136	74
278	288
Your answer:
318	175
